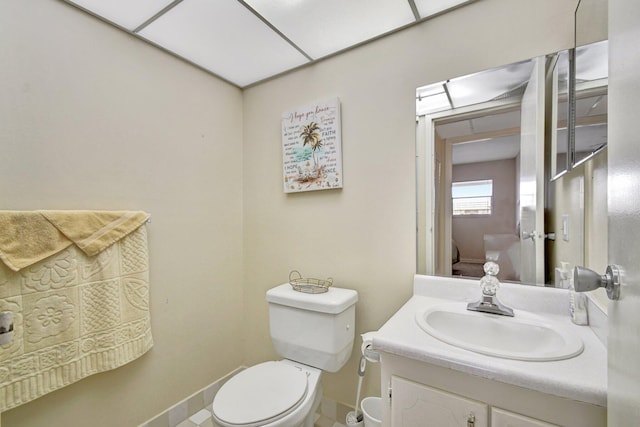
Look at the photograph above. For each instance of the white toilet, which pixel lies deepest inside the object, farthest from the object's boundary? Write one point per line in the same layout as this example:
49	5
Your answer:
315	333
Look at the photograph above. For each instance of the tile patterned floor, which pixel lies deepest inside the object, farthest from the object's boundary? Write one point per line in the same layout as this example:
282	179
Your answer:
195	411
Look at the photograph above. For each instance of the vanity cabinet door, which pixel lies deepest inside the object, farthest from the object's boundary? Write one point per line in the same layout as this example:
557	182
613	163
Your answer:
414	404
502	418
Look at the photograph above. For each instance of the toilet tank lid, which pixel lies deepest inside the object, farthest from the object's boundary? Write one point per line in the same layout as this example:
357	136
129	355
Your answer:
335	300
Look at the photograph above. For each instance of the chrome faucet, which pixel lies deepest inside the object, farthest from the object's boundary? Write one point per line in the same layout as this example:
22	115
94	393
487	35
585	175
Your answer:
489	302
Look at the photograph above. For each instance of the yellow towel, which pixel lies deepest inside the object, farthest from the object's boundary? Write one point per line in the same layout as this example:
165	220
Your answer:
74	316
27	237
93	231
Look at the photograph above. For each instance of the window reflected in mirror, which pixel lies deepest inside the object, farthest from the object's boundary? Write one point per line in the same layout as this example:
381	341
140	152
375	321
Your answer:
477	129
472	197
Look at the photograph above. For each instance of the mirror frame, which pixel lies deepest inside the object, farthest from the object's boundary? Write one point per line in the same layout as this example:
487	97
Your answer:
427	250
430	253
555	171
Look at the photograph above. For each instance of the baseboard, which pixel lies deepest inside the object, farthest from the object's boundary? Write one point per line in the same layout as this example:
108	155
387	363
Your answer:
330	412
184	409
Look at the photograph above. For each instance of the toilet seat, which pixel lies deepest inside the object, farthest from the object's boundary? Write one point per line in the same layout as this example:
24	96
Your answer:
260	394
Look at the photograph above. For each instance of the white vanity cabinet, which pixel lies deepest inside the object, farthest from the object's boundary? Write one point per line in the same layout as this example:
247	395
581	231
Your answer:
419	394
416	404
426	381
502	418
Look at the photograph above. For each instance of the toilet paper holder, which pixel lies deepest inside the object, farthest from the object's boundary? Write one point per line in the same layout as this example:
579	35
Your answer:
6	327
367	342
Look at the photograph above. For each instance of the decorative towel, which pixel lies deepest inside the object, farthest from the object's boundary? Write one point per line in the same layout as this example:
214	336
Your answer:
93	231
74	315
29	237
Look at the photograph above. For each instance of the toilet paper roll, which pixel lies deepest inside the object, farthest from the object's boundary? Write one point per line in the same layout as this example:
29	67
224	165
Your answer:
367	352
6	327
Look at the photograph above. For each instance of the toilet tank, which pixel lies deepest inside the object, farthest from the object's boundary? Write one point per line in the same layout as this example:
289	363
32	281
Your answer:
315	329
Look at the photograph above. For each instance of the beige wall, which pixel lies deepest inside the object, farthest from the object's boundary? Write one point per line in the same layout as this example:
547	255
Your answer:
568	199
596	228
582	195
91	118
468	232
364	234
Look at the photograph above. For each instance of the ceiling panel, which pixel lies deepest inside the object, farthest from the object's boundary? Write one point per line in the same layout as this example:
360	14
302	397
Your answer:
432	104
592	106
490	84
454	129
246	41
225	38
485	151
321	28
125	13
590	138
427	8
590	64
431	99
496	122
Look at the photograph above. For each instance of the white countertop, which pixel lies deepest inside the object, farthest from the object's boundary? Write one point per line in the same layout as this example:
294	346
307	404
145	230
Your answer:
582	378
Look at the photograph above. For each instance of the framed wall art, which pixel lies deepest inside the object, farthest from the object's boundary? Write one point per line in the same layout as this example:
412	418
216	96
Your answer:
312	147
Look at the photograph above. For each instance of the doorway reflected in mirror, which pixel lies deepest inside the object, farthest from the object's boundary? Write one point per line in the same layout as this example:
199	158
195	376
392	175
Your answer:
498	126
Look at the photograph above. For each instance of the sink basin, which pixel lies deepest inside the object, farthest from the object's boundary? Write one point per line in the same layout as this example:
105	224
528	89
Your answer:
525	336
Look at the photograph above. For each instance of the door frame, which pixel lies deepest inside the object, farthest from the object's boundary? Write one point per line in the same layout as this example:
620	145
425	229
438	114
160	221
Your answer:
434	218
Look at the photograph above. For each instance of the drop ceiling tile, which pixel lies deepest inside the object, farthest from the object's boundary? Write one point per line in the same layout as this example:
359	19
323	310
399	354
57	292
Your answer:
591	61
496	122
225	38
432	89
432	104
486	150
454	129
489	84
323	27
589	138
427	8
592	106
125	13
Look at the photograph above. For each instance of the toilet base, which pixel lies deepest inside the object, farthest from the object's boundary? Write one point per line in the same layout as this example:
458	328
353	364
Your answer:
308	421
304	414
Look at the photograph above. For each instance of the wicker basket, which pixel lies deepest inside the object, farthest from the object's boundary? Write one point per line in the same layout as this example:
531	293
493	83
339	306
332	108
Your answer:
309	285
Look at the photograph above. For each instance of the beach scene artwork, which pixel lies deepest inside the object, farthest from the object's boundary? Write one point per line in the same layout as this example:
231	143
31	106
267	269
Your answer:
312	147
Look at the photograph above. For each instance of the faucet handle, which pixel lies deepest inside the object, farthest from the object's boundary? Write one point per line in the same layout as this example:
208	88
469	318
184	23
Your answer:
491	268
489	302
490	283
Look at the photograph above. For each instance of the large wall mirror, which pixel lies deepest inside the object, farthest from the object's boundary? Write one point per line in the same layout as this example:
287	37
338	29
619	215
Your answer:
512	166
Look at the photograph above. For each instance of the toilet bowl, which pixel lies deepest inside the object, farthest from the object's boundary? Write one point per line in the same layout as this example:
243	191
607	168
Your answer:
313	333
270	394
